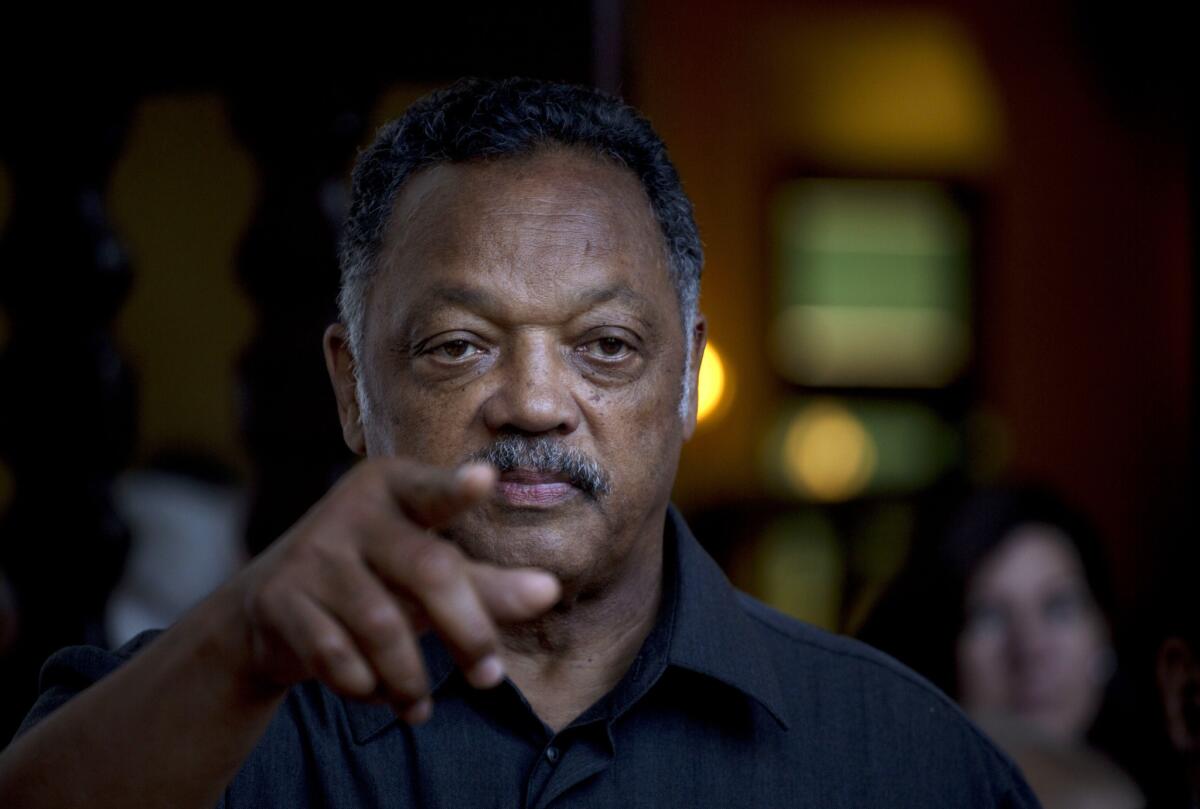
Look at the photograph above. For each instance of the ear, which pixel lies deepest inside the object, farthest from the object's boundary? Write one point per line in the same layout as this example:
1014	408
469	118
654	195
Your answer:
699	339
1178	673
343	375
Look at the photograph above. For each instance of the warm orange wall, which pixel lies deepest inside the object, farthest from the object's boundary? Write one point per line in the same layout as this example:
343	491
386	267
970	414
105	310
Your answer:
1085	327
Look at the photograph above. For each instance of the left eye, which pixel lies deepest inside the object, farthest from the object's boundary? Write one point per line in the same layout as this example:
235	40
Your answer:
608	347
456	349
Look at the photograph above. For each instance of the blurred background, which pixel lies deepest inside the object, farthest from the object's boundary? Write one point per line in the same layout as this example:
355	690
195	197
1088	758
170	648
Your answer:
949	246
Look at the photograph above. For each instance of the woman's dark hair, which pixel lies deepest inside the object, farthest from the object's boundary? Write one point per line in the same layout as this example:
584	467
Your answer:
921	617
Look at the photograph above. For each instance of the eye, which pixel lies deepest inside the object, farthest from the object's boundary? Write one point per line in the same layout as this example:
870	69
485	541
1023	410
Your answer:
1063	607
454	350
609	348
986	619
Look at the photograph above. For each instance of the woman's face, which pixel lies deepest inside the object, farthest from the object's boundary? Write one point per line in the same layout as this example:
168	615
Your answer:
1034	644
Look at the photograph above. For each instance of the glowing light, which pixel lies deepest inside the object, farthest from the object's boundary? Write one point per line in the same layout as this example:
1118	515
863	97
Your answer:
799	568
844	90
828	455
873	279
713	390
870	346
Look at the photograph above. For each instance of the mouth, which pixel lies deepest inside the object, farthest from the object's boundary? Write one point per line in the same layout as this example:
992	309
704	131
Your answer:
526	488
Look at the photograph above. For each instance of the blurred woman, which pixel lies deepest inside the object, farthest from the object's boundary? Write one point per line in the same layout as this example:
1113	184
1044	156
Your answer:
1008	614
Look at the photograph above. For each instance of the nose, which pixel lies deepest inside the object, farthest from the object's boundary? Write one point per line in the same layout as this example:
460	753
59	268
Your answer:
533	394
1029	643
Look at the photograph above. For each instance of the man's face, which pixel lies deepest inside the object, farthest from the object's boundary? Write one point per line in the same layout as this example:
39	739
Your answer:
525	303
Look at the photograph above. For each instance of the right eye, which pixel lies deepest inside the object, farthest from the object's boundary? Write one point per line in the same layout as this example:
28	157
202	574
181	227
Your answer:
454	350
986	618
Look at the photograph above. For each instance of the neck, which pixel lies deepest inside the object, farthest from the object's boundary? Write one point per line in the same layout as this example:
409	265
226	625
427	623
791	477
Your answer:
571	657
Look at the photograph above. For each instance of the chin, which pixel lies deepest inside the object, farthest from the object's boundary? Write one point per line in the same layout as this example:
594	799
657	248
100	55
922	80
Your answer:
530	539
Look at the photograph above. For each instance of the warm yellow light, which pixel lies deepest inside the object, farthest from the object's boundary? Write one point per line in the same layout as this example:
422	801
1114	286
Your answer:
828	454
713	388
847	88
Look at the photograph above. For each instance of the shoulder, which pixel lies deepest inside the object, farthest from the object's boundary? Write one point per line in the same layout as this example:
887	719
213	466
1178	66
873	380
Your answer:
816	650
825	661
872	709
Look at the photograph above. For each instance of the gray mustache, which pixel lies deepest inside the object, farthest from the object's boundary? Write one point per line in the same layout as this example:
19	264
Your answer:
545	455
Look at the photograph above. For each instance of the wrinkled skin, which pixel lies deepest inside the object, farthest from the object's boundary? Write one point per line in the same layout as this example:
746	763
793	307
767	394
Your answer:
531	296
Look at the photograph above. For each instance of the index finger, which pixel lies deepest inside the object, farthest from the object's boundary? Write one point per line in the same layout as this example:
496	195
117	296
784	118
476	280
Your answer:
430	496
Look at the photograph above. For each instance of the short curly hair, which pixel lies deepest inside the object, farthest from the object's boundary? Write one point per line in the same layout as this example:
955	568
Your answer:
478	119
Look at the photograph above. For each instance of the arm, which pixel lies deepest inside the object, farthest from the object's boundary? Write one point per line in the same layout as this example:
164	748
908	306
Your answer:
341	598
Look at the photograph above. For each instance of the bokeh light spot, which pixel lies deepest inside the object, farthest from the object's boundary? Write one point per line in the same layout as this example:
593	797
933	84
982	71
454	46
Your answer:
713	389
828	453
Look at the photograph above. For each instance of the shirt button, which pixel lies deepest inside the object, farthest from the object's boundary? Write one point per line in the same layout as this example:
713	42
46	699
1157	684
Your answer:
552	754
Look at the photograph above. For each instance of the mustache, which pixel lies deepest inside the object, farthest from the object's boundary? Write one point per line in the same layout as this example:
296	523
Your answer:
545	455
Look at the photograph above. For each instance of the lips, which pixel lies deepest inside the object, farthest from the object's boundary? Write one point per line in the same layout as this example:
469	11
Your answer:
526	488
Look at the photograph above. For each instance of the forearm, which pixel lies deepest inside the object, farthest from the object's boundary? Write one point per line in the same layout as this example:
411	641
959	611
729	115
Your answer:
170	728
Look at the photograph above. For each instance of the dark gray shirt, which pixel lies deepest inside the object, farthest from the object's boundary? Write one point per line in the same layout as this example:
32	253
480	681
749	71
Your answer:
728	704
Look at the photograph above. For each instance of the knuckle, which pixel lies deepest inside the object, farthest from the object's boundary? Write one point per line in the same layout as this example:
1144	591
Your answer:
410	688
436	564
298	554
407	680
344	510
476	638
262	604
380	622
319	554
339	665
332	651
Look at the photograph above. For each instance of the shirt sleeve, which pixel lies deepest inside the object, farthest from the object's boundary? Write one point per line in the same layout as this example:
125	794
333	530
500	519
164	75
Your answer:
1020	797
71	670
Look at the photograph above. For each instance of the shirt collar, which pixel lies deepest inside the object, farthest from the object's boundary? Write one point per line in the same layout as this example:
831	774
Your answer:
367	720
713	635
707	632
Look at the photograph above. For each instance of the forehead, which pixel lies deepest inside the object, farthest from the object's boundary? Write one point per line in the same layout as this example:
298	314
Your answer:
1033	556
543	224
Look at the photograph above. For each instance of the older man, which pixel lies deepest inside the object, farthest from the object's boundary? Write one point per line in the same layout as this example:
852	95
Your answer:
499	606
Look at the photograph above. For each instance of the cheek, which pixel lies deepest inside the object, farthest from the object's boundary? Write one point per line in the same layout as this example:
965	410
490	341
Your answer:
636	423
432	424
1083	646
980	660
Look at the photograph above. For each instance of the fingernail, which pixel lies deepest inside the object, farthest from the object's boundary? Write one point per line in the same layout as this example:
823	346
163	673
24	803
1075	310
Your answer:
419	713
542	586
487	672
469	471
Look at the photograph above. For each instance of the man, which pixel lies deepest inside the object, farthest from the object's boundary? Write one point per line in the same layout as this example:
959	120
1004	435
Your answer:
517	358
1172	766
